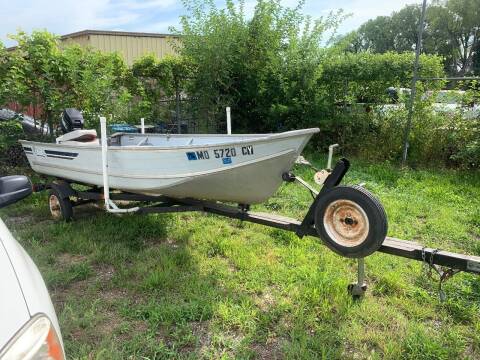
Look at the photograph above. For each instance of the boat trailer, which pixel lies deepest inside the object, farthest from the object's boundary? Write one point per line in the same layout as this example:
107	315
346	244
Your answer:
63	198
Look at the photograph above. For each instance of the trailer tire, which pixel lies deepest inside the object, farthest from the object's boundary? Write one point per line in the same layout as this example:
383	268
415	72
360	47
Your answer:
60	206
351	221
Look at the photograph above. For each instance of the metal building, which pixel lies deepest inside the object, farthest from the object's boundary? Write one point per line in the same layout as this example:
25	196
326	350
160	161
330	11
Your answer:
131	45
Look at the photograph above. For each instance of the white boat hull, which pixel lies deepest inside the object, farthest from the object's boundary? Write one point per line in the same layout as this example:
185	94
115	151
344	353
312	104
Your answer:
245	169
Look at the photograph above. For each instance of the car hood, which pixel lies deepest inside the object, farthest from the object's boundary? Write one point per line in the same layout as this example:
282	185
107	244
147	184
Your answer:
32	296
13	308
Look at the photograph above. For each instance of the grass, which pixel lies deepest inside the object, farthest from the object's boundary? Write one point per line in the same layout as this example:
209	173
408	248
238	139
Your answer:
191	285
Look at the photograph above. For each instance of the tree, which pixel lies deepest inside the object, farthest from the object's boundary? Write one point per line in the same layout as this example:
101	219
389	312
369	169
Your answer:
95	81
37	73
452	30
4	63
377	35
40	73
265	67
155	79
459	20
397	32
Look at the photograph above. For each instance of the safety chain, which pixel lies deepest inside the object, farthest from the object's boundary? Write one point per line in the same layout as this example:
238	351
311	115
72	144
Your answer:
443	273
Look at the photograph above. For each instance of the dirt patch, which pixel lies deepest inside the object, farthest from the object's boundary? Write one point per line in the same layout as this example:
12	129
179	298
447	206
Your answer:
201	330
266	300
60	294
135	327
66	260
271	349
172	243
162	335
422	219
20	219
107	323
103	273
110	321
88	210
231	266
475	235
203	338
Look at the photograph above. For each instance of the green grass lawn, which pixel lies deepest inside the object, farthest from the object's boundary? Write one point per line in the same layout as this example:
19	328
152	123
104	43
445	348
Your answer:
200	286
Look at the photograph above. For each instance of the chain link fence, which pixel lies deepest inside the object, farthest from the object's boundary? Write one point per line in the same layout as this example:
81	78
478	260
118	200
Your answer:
186	116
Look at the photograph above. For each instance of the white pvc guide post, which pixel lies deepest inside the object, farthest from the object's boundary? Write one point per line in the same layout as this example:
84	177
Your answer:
106	189
142	123
229	121
109	205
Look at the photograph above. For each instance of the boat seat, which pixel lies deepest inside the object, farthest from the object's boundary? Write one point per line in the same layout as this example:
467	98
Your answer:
87	137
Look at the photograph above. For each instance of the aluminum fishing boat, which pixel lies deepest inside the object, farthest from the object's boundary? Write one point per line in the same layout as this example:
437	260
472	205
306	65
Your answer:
245	169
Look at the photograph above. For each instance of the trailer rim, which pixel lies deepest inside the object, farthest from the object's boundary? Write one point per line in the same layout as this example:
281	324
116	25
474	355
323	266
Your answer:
346	223
54	205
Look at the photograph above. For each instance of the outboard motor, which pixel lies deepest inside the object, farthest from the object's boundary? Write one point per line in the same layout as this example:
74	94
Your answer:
71	120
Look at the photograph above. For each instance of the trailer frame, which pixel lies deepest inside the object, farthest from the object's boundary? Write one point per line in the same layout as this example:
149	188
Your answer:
444	263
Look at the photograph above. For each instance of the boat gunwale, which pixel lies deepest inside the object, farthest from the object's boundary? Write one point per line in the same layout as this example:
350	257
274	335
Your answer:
260	139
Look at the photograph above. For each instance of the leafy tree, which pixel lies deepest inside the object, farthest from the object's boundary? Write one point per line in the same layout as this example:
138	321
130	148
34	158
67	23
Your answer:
265	67
3	73
365	77
377	35
95	81
38	71
452	30
397	32
154	80
459	23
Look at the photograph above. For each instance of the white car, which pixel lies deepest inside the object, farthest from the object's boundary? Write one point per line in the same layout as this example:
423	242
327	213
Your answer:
28	324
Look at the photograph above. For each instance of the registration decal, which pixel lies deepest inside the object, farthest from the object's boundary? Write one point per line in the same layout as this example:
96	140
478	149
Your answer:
224	154
198	155
191	155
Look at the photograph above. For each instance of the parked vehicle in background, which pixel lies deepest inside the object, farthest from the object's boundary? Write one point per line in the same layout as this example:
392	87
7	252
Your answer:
451	102
445	102
29	327
7	114
29	124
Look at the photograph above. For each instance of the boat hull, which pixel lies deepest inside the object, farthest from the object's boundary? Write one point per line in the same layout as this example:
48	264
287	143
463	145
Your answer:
247	171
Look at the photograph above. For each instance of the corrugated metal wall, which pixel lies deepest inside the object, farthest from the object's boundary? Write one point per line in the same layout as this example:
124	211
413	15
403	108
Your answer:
130	47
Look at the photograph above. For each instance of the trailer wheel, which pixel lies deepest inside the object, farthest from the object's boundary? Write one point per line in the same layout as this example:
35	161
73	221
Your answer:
60	207
351	221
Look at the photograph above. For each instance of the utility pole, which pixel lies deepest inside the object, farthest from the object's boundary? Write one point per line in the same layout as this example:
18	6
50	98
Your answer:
414	84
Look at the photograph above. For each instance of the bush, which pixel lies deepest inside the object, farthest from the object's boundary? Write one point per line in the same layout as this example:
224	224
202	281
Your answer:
11	153
435	139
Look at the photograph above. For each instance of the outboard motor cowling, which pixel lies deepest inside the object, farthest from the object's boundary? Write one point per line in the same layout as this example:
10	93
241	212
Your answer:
70	120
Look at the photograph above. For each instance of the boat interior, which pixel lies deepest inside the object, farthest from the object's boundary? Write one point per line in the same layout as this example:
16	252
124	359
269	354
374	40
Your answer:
167	140
89	138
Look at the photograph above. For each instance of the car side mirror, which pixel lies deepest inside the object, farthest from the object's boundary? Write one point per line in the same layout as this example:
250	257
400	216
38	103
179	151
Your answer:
14	188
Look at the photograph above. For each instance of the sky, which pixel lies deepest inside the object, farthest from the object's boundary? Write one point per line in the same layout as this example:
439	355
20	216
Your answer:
67	16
